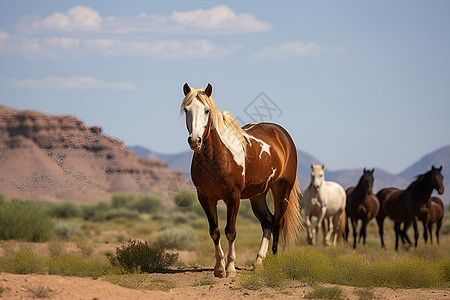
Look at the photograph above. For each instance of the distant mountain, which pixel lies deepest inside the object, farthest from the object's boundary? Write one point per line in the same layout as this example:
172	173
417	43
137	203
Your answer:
59	158
346	178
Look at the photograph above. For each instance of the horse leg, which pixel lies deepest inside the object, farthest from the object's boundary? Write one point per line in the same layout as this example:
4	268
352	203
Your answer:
404	232
280	191
363	231
265	217
355	233
438	228
321	217
328	230
210	209
397	233
380	222
425	231
309	229
416	233
336	229
232	201
430	232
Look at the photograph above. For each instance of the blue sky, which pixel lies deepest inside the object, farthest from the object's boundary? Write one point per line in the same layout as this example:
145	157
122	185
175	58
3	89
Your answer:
357	83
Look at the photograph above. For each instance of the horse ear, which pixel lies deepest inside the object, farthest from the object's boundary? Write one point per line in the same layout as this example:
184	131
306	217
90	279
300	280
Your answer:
323	167
440	168
373	170
312	167
186	89
364	170
433	168
208	90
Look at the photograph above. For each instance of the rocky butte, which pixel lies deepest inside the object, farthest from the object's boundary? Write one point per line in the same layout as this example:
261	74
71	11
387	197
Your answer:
55	158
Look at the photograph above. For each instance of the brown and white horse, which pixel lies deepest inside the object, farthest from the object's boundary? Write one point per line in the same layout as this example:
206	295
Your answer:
233	163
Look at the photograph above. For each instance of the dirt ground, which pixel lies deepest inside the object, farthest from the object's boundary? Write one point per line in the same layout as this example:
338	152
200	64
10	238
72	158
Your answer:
34	286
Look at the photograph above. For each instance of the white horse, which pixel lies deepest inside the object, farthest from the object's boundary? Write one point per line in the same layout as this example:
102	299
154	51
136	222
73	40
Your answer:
326	201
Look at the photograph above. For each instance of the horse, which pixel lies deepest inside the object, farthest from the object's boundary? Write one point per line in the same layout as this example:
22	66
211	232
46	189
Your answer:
326	201
403	206
431	212
232	162
362	204
436	216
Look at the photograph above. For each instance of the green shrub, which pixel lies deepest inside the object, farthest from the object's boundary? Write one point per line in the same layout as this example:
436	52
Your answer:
184	238
57	248
64	210
307	264
66	231
121	212
144	257
365	294
321	292
185	198
147	204
25	220
95	211
183	217
122	200
76	266
25	261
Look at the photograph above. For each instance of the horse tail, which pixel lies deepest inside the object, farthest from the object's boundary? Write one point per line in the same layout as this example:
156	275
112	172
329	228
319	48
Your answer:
291	223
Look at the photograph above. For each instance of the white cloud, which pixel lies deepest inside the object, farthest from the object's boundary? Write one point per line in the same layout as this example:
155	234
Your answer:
69	83
77	18
294	49
221	18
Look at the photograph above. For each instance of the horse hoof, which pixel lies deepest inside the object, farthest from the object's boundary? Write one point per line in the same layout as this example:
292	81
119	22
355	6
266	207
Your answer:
231	274
219	273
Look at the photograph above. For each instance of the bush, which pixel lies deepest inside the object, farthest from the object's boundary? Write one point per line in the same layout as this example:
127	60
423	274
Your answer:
307	264
122	200
25	220
25	261
185	198
66	231
178	238
95	211
141	257
122	212
147	204
321	292
76	266
64	210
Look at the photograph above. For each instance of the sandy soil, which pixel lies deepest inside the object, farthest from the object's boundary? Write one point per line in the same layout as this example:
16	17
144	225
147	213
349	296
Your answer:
34	286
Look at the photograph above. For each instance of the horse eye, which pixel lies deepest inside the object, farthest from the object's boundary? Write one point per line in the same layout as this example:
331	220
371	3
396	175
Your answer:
206	111
185	110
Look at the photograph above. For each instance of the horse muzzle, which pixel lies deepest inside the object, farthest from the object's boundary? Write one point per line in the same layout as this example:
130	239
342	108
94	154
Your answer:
441	190
195	143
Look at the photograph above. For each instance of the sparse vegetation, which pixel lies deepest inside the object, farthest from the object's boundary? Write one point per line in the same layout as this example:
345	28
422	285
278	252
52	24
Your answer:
322	292
140	281
140	256
365	294
184	238
24	220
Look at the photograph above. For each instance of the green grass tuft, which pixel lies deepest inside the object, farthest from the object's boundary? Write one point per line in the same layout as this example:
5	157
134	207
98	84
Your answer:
321	292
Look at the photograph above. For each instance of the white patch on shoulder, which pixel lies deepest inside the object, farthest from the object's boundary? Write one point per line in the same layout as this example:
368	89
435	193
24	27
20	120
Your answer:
234	145
270	177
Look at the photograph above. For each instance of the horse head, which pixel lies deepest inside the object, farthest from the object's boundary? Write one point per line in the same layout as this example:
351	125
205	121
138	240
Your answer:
437	179
197	114
317	176
367	180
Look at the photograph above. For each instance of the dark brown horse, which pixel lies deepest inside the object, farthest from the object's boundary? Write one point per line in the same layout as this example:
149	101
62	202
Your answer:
403	206
362	205
231	163
432	212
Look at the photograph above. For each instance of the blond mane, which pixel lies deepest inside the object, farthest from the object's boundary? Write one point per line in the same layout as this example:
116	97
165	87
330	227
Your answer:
220	120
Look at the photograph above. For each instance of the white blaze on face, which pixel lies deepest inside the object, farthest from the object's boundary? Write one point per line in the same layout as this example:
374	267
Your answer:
197	116
317	176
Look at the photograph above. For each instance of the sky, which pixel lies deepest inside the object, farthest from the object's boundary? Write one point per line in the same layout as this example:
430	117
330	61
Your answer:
356	83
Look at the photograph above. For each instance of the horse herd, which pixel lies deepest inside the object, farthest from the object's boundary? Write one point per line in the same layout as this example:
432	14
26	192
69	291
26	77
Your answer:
231	163
333	207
